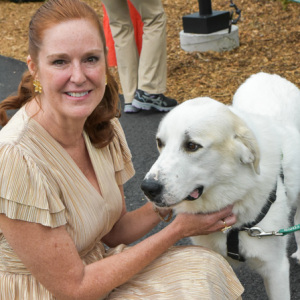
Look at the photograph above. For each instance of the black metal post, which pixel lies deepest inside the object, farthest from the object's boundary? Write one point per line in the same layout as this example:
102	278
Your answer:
205	7
207	20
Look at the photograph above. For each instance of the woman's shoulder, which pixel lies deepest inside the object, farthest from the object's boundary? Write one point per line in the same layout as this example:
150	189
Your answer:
119	134
27	193
121	154
116	124
15	129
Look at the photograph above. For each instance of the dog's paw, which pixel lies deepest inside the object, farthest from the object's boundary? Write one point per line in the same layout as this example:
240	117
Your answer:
296	256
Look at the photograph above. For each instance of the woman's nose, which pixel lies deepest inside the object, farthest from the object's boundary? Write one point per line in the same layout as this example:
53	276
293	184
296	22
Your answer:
77	76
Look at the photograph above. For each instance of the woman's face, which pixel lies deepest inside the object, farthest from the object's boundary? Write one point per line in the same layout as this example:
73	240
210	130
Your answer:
71	69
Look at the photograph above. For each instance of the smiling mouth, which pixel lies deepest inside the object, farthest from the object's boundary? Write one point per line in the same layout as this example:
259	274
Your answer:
77	95
195	194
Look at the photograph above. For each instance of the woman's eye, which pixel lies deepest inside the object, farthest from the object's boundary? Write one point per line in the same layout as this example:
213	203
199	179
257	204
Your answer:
59	62
92	59
190	146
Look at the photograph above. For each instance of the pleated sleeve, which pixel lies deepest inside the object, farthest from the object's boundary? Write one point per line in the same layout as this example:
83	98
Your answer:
27	192
121	154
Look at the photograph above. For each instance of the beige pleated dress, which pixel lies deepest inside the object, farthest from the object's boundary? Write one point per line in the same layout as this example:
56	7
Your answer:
39	182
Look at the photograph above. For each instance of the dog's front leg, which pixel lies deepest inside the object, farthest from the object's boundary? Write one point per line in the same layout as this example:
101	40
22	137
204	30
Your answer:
276	279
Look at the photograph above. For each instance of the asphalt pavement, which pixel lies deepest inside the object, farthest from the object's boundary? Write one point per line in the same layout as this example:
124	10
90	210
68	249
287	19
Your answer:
140	132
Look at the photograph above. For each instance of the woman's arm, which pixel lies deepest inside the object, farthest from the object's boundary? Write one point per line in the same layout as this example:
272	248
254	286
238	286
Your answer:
132	225
51	256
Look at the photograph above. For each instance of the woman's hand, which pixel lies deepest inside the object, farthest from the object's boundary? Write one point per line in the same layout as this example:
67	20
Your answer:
203	224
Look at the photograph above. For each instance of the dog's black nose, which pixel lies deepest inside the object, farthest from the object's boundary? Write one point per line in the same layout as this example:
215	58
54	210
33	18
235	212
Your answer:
151	189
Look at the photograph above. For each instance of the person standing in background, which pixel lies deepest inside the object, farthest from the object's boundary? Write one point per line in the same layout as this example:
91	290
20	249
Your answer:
143	77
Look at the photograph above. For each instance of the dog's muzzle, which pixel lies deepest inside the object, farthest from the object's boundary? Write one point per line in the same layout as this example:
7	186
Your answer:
152	189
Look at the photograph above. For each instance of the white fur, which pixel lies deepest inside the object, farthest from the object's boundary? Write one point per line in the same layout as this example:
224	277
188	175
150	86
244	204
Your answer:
243	148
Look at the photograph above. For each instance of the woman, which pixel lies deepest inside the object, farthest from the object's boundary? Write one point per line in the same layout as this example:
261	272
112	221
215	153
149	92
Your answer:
64	160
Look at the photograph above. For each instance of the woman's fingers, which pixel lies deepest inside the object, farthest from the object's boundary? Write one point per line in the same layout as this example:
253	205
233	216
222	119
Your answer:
224	213
203	224
229	220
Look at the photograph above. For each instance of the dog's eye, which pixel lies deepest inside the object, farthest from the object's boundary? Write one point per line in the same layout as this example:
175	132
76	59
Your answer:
159	143
190	146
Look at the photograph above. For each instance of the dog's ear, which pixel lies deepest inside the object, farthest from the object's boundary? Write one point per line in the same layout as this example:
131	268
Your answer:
249	151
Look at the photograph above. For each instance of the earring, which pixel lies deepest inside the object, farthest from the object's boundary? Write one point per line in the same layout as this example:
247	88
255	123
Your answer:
105	80
37	86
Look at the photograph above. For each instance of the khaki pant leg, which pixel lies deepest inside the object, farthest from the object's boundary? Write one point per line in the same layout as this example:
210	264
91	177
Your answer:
152	72
125	46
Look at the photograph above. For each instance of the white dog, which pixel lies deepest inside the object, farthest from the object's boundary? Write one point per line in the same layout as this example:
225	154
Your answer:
247	154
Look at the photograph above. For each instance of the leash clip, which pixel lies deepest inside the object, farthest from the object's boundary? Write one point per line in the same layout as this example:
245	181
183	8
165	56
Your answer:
259	233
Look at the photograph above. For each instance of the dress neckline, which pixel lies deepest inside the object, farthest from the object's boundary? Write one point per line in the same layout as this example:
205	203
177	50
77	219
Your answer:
38	127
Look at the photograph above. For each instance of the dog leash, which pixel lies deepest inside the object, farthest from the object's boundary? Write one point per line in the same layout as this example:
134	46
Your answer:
233	246
258	232
233	235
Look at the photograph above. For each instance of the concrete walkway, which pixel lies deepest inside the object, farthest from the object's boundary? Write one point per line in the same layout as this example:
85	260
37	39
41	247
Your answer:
140	132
